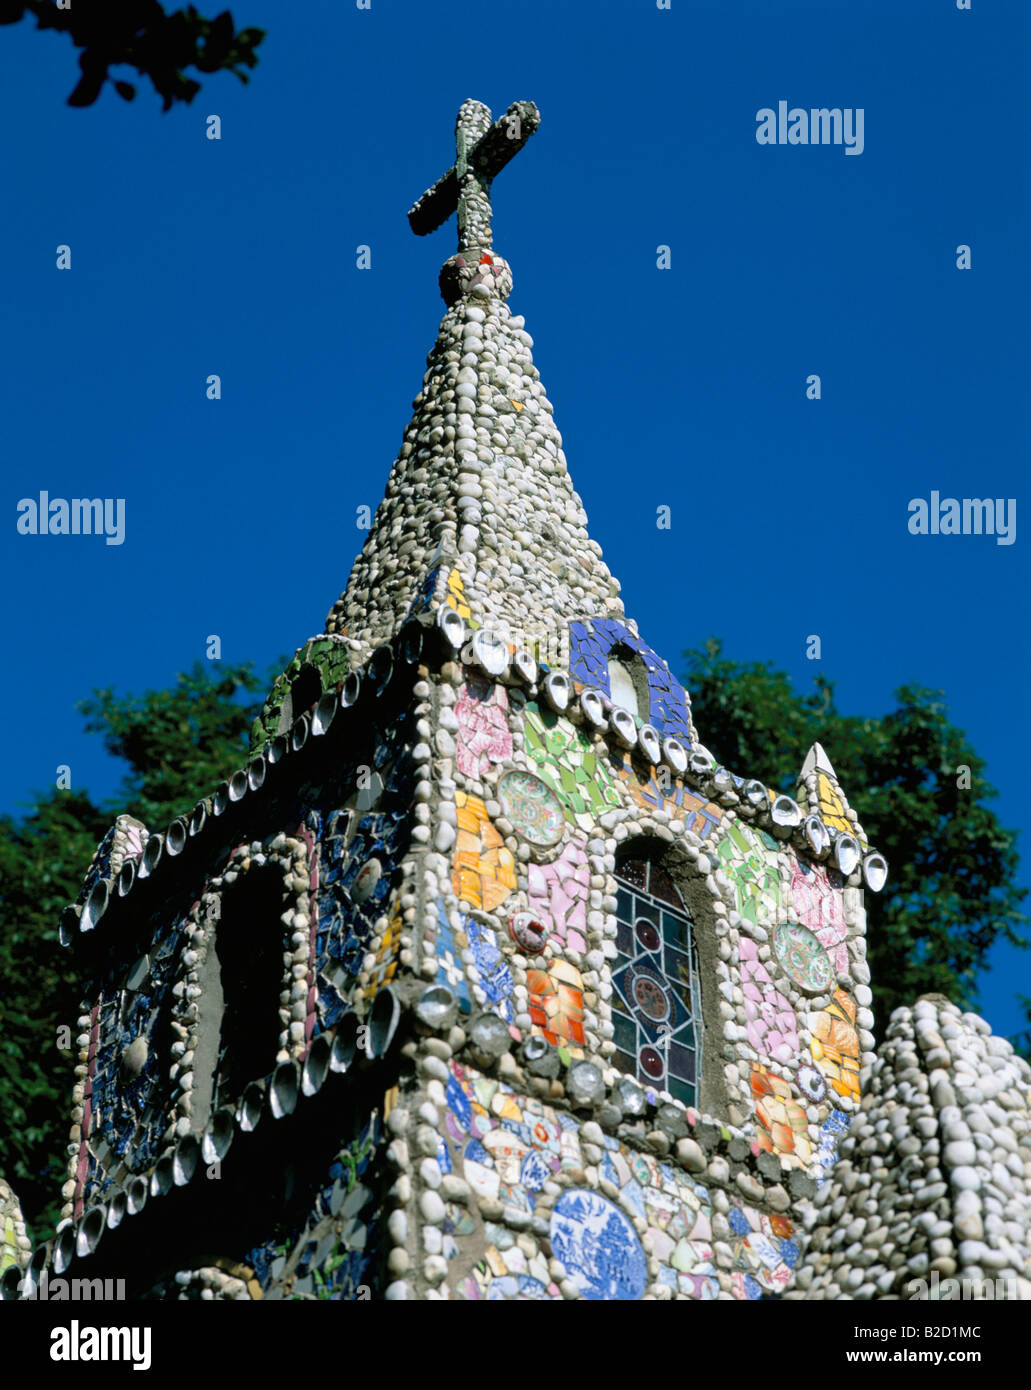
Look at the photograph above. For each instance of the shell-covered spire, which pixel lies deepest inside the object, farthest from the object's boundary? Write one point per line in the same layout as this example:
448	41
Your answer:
479	505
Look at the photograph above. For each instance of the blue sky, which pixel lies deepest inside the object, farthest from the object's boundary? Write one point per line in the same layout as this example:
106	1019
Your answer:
683	388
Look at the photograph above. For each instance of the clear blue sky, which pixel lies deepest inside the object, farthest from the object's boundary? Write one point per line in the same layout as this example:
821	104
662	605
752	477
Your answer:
683	387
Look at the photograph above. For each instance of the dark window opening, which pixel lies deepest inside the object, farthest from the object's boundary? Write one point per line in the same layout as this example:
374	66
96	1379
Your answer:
249	946
303	694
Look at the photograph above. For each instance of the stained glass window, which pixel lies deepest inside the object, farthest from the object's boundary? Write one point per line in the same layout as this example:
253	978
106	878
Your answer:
656	1001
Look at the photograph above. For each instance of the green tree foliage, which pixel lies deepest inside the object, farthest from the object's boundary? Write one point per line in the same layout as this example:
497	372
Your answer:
951	890
138	34
177	745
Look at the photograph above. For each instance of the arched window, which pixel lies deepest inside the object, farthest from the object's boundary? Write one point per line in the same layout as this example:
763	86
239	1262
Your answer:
628	680
304	692
656	999
249	950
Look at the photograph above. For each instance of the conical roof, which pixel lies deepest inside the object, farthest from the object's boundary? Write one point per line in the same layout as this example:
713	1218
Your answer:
479	505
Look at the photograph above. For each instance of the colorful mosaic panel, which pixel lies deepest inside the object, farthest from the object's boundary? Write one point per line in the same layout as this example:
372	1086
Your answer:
493	976
764	1253
835	1044
557	1005
558	894
456	595
783	1128
833	1127
772	1027
126	1110
566	760
817	901
506	1271
331	1254
801	956
599	1247
386	956
701	817
533	808
832	808
590	644
507	1146
354	885
749	859
450	946
483	733
484	870
656	999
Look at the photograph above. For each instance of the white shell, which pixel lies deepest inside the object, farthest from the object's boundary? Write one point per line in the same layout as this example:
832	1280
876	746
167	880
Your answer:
875	872
283	1090
621	722
675	754
490	651
452	626
592	707
648	742
846	853
557	689
325	713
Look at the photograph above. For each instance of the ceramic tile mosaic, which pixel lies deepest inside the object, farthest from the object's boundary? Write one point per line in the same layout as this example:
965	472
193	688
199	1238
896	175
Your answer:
128	1094
494	978
558	894
749	859
590	644
356	872
783	1128
832	808
484	870
764	1253
450	946
557	1005
456	595
835	1044
483	733
531	806
701	817
331	1254
567	761
386	952
833	1127
802	957
816	899
772	1026
599	1247
508	1146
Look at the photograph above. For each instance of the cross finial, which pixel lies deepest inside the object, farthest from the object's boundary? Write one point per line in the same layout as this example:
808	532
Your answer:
483	150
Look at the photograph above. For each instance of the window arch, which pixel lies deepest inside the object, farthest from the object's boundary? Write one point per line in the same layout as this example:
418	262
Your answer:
628	680
656	998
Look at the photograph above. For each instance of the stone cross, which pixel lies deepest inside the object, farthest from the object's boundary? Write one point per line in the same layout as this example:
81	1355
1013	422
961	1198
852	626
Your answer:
483	150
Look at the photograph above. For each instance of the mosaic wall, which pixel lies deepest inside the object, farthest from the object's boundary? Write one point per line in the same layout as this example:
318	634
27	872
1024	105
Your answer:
570	765
358	871
127	1096
790	946
590	645
637	1225
326	655
332	1254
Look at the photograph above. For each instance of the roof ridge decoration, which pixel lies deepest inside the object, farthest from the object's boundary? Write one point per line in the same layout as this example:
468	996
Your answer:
479	500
